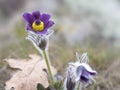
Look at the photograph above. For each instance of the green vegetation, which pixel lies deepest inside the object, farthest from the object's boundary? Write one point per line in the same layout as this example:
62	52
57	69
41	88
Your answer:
104	59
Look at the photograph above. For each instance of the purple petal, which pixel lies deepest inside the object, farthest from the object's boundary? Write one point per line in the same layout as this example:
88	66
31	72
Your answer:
49	24
36	14
28	27
45	18
83	78
92	72
89	69
28	18
86	74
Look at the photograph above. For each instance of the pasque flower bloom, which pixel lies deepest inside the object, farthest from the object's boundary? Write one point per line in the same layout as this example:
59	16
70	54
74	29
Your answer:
84	74
80	71
37	22
38	33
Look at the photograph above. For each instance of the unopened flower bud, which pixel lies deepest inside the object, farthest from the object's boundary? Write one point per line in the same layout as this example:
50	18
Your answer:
43	44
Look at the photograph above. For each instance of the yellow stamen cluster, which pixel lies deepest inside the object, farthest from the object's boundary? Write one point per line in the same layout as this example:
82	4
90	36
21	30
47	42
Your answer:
38	27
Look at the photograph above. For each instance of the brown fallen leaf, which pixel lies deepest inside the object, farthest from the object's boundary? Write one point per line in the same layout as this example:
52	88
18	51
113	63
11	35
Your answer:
30	74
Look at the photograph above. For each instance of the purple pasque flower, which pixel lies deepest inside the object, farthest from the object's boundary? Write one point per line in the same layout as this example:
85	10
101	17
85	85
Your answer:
85	74
37	22
82	71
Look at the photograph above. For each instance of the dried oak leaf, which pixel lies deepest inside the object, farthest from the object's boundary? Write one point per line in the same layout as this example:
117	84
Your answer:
30	74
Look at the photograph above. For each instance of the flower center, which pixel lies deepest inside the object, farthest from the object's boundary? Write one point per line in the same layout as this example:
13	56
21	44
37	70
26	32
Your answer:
38	25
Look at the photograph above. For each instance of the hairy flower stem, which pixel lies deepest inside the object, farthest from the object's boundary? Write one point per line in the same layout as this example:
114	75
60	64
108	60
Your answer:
48	66
79	86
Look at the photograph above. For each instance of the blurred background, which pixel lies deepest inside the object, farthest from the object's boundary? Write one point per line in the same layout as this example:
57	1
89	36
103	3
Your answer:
91	26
